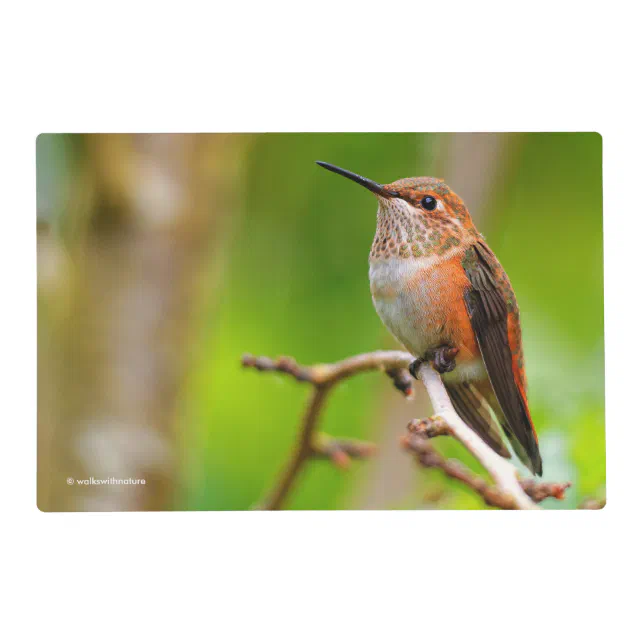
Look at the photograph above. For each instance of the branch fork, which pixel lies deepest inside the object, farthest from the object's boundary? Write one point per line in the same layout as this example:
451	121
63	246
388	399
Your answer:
509	490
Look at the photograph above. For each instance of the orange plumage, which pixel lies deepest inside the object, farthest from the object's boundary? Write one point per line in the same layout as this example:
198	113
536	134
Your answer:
443	294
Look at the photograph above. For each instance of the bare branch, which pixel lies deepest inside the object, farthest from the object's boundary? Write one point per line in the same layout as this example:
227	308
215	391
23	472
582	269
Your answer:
509	492
428	427
504	474
340	451
323	377
283	364
323	374
402	381
303	451
428	456
540	491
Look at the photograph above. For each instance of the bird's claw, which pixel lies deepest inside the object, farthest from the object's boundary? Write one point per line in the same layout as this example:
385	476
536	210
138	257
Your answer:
415	366
442	360
445	359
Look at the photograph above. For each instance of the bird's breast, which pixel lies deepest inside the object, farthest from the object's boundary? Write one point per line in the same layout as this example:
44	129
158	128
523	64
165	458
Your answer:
404	295
420	300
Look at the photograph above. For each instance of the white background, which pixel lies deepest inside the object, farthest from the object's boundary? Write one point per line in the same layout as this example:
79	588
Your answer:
323	577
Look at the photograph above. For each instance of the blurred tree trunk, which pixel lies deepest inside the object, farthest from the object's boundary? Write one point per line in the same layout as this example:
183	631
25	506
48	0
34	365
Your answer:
142	216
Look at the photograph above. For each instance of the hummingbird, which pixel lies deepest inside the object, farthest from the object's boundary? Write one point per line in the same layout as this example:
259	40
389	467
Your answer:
440	290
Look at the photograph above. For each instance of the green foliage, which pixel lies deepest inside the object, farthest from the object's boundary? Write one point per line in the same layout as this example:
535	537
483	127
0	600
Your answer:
294	281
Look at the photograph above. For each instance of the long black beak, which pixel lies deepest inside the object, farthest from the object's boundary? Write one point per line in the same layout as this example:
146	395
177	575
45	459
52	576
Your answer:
376	188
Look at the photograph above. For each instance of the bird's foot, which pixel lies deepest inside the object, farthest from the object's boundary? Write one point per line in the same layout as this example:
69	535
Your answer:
445	359
415	366
442	360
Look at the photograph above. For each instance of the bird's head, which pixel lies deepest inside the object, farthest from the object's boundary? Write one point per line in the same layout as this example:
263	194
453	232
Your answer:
418	216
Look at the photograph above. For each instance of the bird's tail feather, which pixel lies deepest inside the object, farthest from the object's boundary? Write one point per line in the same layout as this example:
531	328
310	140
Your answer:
474	410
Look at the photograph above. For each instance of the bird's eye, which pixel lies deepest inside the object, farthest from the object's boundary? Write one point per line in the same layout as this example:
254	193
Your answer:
428	203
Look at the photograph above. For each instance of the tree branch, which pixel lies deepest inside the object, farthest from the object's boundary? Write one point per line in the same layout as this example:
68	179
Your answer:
276	498
428	456
510	492
323	377
504	474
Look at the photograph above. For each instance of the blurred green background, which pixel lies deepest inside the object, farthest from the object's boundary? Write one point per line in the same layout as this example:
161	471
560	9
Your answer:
164	258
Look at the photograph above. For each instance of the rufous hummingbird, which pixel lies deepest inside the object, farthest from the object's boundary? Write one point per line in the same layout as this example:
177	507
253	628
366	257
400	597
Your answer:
444	295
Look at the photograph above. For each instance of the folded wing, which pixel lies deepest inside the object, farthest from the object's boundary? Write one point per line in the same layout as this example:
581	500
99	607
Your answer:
487	307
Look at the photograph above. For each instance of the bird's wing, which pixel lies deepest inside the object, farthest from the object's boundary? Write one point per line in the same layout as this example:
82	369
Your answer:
492	309
475	411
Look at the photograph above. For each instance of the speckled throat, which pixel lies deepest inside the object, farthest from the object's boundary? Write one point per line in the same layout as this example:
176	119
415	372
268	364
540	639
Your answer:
404	231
